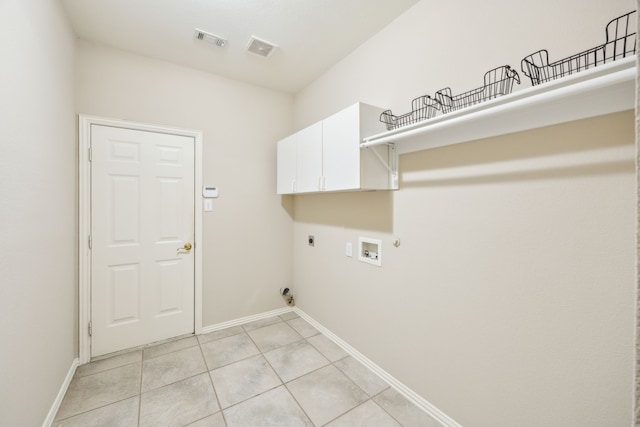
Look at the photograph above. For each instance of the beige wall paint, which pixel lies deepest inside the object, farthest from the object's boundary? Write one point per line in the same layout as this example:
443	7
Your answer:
637	359
510	299
37	209
247	251
439	44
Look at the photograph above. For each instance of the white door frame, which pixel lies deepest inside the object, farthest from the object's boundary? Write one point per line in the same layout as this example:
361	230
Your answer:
84	221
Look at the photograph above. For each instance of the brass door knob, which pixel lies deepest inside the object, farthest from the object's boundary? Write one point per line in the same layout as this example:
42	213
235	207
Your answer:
187	246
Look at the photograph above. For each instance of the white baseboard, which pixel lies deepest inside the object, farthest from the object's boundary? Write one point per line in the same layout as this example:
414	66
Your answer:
243	320
51	416
411	395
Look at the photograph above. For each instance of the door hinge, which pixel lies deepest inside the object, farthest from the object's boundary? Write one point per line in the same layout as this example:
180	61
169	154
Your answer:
90	329
89	153
89	241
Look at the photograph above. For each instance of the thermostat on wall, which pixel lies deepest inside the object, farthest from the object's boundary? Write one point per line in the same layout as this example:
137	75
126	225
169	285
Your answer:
209	192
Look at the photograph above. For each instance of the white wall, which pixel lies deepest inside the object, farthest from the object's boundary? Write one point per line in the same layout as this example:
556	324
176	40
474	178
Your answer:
37	208
247	252
510	301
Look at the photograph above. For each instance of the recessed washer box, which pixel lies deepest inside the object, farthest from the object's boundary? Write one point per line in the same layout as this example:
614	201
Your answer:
370	251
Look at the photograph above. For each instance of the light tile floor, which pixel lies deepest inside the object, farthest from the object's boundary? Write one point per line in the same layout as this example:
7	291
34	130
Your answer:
278	371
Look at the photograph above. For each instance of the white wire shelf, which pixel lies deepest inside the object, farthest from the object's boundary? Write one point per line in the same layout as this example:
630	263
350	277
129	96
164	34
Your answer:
605	89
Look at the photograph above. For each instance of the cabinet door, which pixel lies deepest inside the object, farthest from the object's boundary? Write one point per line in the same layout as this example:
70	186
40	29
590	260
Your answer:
286	179
341	150
309	159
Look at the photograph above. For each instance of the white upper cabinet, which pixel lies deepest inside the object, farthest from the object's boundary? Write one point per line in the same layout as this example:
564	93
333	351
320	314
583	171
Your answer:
327	155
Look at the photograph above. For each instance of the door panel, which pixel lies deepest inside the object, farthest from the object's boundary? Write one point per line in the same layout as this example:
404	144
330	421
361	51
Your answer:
286	178
142	214
309	159
124	294
341	150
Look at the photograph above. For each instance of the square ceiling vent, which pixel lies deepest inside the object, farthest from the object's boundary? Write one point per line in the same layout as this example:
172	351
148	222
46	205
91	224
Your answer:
261	47
209	38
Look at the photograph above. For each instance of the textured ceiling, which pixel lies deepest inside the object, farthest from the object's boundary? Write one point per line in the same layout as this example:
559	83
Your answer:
312	35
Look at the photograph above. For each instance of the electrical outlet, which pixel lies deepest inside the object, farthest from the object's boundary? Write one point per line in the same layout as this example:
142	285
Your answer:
311	240
349	250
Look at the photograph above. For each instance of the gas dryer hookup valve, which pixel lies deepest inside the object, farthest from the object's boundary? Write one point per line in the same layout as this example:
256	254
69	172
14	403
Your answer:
288	296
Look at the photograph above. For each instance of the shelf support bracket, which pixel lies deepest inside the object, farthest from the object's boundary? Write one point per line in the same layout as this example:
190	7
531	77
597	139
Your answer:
383	161
391	166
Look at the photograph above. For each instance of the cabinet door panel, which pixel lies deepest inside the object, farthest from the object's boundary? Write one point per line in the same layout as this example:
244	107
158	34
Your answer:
341	150
286	165
309	158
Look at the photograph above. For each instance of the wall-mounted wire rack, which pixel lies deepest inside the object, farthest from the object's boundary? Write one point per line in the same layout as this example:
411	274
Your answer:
497	82
606	89
422	108
620	42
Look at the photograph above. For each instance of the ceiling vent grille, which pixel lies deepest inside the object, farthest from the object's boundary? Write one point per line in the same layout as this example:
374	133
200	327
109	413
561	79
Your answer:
210	38
260	47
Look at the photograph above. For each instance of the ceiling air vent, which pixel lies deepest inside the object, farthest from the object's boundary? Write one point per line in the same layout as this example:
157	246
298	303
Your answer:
210	38
260	47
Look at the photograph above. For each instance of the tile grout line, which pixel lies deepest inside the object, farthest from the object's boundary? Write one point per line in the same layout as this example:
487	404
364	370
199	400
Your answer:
168	352
333	363
383	408
101	406
261	354
299	405
284	384
140	387
215	393
242	330
330	363
354	383
140	348
94	409
345	413
107	370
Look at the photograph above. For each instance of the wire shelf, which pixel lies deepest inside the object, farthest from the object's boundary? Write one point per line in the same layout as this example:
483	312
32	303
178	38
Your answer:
620	42
497	82
422	108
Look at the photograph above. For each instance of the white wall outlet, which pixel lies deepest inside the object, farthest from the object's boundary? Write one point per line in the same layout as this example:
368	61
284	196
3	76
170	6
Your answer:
349	250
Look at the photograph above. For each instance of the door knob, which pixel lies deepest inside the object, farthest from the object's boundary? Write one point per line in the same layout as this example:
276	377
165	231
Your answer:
187	246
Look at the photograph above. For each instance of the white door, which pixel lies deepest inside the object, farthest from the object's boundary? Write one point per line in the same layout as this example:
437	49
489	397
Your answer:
142	223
